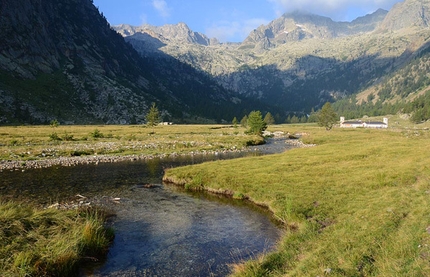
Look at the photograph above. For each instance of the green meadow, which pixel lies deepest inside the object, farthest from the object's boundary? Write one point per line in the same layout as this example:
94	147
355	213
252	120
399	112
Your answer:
356	204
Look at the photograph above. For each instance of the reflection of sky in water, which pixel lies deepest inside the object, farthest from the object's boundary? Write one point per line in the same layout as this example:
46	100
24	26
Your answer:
163	232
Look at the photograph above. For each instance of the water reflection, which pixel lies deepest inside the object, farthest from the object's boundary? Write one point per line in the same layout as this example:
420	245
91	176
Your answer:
164	232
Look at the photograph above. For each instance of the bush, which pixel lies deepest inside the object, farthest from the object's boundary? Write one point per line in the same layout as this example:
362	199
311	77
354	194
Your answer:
96	134
54	136
67	137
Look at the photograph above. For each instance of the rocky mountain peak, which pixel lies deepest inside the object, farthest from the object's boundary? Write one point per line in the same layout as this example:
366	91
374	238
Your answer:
407	14
179	33
299	25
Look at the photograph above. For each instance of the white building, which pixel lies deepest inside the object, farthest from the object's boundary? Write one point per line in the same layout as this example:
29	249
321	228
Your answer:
363	124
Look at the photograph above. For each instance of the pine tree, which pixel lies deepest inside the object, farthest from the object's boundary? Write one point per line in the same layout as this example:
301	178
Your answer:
234	122
256	123
153	117
244	121
269	119
327	117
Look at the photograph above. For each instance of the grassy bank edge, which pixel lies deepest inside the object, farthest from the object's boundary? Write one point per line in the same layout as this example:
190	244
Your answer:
381	176
50	242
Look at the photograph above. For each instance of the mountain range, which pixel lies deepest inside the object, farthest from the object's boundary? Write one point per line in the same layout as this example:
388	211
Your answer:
62	60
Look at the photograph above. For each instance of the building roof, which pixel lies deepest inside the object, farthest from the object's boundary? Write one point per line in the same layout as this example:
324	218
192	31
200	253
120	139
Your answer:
375	123
352	122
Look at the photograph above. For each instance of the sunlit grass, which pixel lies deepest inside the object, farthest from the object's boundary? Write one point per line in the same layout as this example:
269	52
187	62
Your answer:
357	204
36	242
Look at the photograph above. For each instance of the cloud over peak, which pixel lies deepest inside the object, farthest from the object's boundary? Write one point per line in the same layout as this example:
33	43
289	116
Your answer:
335	9
162	7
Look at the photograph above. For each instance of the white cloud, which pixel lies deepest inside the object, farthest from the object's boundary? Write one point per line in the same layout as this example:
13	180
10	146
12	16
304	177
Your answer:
162	7
336	9
143	19
227	31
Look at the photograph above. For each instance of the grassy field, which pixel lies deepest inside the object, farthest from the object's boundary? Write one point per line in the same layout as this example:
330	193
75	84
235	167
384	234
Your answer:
50	242
41	142
357	204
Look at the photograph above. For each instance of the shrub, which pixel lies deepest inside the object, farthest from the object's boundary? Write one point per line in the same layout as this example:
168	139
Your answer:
54	136
96	134
67	137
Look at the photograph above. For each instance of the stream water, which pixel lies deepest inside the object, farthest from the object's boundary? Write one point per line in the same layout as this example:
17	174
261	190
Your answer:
159	230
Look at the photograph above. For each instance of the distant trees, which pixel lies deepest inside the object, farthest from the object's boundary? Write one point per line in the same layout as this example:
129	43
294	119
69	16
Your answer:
313	117
327	117
269	119
234	122
244	121
420	108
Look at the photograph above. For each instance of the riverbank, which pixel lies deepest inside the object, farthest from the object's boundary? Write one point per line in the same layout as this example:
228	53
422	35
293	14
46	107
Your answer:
37	151
96	159
26	147
357	204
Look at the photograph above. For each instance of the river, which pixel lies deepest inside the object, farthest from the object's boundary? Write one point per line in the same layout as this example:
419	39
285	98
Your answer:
160	230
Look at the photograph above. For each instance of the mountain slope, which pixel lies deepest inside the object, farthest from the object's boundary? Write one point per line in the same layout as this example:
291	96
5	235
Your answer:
60	59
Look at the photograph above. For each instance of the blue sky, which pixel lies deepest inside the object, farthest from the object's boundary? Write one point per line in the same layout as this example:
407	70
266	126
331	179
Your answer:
229	20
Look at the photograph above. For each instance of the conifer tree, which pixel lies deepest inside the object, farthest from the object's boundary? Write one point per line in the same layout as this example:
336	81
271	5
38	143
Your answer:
256	123
153	116
327	117
269	119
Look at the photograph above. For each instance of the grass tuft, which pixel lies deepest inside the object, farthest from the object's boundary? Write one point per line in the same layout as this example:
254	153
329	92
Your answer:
49	242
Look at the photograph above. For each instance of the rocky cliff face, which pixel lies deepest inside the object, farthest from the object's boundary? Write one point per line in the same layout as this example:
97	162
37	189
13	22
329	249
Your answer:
61	59
408	14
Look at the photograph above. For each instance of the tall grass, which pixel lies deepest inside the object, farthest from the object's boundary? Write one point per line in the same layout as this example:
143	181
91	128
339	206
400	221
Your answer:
49	242
357	204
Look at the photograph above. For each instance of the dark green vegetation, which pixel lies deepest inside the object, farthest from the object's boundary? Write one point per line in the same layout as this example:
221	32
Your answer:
152	117
256	124
357	204
327	117
49	242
